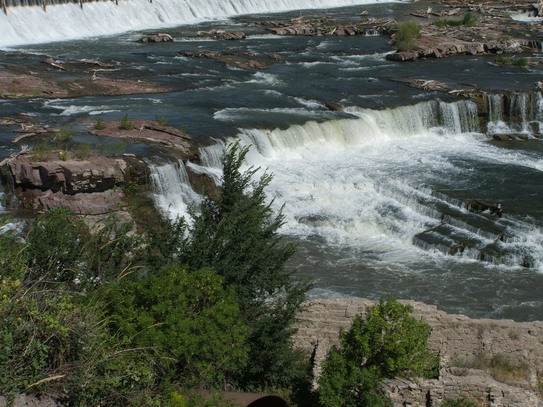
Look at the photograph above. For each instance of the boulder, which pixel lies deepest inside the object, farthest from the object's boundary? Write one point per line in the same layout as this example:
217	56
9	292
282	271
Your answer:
229	35
403	56
160	37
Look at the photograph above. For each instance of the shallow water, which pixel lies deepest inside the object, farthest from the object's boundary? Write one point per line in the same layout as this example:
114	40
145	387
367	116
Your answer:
357	185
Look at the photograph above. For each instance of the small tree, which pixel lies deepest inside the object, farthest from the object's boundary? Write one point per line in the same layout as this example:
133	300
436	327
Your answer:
237	236
188	318
387	343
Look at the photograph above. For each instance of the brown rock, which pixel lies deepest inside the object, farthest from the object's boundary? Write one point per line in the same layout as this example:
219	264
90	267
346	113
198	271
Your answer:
160	37
69	177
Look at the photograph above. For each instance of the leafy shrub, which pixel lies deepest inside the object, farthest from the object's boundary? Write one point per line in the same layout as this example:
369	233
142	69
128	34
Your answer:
510	60
469	20
520	62
463	402
83	151
99	124
189	318
40	150
196	399
16	80
55	244
406	35
387	343
113	148
126	123
65	134
161	120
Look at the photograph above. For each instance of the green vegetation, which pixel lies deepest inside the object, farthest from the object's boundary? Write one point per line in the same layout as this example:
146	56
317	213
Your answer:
190	319
387	343
116	319
511	60
40	150
126	123
161	120
113	148
406	35
463	402
499	366
65	134
236	236
83	150
99	124
469	20
16	80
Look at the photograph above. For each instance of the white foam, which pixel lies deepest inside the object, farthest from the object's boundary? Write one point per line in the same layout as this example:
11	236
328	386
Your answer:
31	25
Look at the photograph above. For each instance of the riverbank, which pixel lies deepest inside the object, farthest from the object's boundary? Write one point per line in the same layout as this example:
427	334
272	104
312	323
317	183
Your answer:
496	362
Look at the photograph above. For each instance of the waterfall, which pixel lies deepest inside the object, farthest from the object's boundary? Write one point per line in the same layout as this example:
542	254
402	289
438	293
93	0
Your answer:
369	182
31	25
369	127
515	112
172	192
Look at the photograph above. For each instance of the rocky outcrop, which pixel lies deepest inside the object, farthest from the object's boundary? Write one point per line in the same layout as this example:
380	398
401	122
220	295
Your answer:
329	26
223	35
456	384
87	187
147	131
242	60
160	37
458	339
69	177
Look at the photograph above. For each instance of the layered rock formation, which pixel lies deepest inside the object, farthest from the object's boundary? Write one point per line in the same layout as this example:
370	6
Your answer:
460	341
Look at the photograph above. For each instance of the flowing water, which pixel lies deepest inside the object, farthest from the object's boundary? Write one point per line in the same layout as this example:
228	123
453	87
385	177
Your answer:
379	196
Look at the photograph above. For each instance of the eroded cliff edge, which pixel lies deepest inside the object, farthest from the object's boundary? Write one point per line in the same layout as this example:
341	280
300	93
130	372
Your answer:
496	362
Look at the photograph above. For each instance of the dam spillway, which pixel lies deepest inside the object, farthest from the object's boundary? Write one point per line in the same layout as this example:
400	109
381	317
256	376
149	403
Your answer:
40	21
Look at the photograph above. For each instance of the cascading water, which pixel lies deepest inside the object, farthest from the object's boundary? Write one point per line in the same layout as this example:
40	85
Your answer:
172	192
517	112
30	25
364	182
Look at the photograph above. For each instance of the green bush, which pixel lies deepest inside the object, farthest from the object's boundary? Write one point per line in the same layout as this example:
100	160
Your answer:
126	123
65	134
83	151
55	244
463	402
161	120
387	343
99	124
510	60
40	150
406	35
188	318
469	20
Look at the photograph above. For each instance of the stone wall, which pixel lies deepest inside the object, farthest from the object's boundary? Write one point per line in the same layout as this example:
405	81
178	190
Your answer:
458	340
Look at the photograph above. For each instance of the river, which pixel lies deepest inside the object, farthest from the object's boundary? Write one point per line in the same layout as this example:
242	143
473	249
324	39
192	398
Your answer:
360	185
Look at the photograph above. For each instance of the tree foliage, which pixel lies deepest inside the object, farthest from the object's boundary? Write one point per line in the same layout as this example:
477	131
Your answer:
237	236
188	318
387	343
